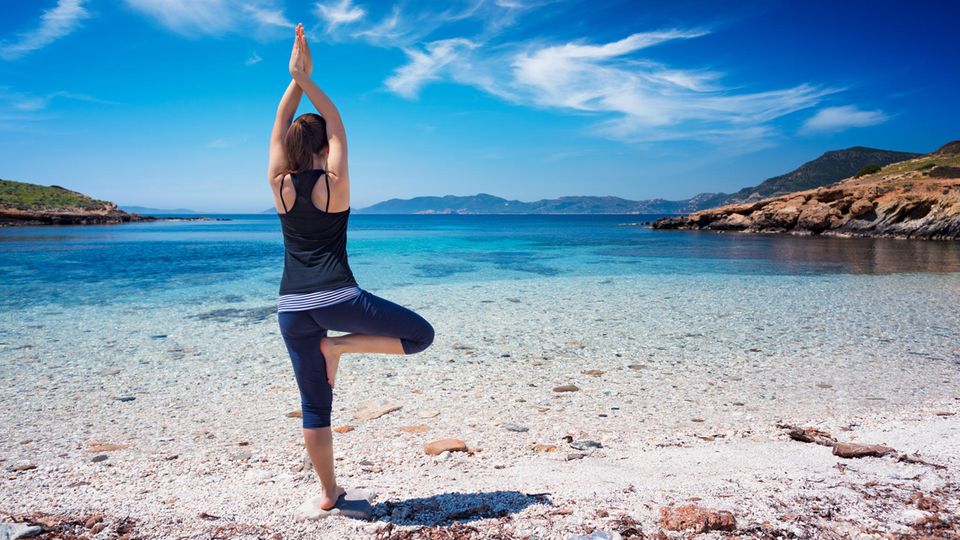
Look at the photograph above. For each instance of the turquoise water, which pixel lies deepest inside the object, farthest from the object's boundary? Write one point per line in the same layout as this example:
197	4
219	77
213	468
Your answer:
240	260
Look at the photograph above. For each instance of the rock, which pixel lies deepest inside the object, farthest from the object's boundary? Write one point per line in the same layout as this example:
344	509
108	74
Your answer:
539	447
24	466
574	455
12	531
296	414
593	372
98	459
419	428
428	414
514	427
435	448
860	207
343	429
636	366
585	444
124	399
93	520
354	504
691	517
372	411
811	435
854	450
111	371
566	388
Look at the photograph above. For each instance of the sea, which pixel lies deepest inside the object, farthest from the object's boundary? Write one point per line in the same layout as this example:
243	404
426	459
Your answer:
239	258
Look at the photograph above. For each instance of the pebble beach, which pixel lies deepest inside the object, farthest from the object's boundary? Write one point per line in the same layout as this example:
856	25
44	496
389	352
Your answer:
616	406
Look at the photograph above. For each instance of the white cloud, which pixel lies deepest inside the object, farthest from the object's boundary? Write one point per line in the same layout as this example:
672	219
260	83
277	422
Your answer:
426	65
340	13
635	99
252	59
210	17
267	16
839	118
54	24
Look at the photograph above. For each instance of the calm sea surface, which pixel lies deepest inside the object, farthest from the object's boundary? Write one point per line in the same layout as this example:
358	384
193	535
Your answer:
241	259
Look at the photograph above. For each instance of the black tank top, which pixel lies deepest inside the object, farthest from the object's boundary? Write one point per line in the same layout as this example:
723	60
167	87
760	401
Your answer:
315	241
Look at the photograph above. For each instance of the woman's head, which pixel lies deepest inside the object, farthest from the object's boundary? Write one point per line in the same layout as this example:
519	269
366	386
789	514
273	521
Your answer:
307	136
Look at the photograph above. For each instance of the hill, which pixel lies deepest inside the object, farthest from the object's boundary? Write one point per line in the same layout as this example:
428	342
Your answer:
22	203
916	198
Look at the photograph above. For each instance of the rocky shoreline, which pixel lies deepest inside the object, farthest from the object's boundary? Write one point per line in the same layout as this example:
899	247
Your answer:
108	215
918	198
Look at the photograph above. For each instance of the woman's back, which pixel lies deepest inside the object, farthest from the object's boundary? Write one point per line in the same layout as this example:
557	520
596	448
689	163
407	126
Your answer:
315	241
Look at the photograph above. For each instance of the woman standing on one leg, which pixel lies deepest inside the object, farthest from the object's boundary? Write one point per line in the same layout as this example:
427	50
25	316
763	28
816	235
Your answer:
311	190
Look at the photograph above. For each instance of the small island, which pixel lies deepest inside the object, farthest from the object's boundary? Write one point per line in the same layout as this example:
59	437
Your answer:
26	204
917	198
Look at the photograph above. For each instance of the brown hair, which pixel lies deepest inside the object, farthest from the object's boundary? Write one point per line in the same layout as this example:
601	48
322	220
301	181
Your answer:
306	136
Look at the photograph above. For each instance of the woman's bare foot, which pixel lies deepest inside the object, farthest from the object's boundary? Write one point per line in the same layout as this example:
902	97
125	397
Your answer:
331	357
329	500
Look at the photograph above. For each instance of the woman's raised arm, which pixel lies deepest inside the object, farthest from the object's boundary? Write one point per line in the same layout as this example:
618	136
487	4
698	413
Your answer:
285	111
336	134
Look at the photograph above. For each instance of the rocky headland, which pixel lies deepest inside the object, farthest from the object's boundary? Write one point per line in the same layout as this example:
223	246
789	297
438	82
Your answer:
26	204
917	198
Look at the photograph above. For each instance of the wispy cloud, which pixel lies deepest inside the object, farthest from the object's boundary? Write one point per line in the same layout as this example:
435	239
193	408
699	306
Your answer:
832	119
425	66
24	102
336	14
55	23
634	99
254	58
209	17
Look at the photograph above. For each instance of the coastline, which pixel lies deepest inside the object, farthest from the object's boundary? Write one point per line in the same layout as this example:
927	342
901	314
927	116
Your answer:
685	406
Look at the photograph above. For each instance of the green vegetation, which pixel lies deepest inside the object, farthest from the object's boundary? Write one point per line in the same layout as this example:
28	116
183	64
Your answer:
24	196
870	168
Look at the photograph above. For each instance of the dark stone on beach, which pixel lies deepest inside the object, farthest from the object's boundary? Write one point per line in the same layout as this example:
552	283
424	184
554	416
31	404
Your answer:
159	336
566	388
585	444
126	398
514	427
574	455
24	467
505	355
98	459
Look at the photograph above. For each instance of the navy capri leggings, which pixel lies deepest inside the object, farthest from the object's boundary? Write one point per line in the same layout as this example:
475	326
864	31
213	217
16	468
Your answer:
366	313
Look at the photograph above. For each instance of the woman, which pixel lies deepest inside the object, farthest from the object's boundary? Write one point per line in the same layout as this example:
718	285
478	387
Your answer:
311	190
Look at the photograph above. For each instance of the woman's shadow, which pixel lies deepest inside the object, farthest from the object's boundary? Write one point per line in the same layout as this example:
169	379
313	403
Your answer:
446	508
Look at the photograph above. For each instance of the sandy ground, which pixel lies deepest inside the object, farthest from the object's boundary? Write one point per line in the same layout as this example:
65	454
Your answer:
683	384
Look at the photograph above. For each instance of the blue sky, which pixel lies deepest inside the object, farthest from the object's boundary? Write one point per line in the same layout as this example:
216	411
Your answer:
169	103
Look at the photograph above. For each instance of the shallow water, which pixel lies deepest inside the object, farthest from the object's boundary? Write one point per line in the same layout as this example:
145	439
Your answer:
241	260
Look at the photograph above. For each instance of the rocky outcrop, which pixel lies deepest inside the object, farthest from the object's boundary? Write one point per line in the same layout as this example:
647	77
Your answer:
919	198
107	214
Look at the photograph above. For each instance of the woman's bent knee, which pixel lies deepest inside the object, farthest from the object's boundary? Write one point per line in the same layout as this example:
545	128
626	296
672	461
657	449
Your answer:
422	339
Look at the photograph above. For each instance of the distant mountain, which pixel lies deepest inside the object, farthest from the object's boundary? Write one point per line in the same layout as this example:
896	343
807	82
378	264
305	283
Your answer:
829	168
147	210
484	203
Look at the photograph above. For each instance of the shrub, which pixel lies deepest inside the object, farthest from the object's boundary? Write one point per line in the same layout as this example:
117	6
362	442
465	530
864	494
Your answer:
870	168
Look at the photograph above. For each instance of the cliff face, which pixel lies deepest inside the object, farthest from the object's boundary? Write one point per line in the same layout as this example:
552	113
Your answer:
919	198
22	203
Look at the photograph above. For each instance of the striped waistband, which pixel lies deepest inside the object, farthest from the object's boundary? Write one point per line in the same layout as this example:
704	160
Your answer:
305	301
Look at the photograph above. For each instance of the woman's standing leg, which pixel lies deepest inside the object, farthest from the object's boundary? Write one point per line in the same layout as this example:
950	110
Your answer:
302	336
375	325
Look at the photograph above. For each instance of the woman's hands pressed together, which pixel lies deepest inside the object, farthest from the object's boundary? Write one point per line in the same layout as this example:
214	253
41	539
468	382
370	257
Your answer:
301	62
